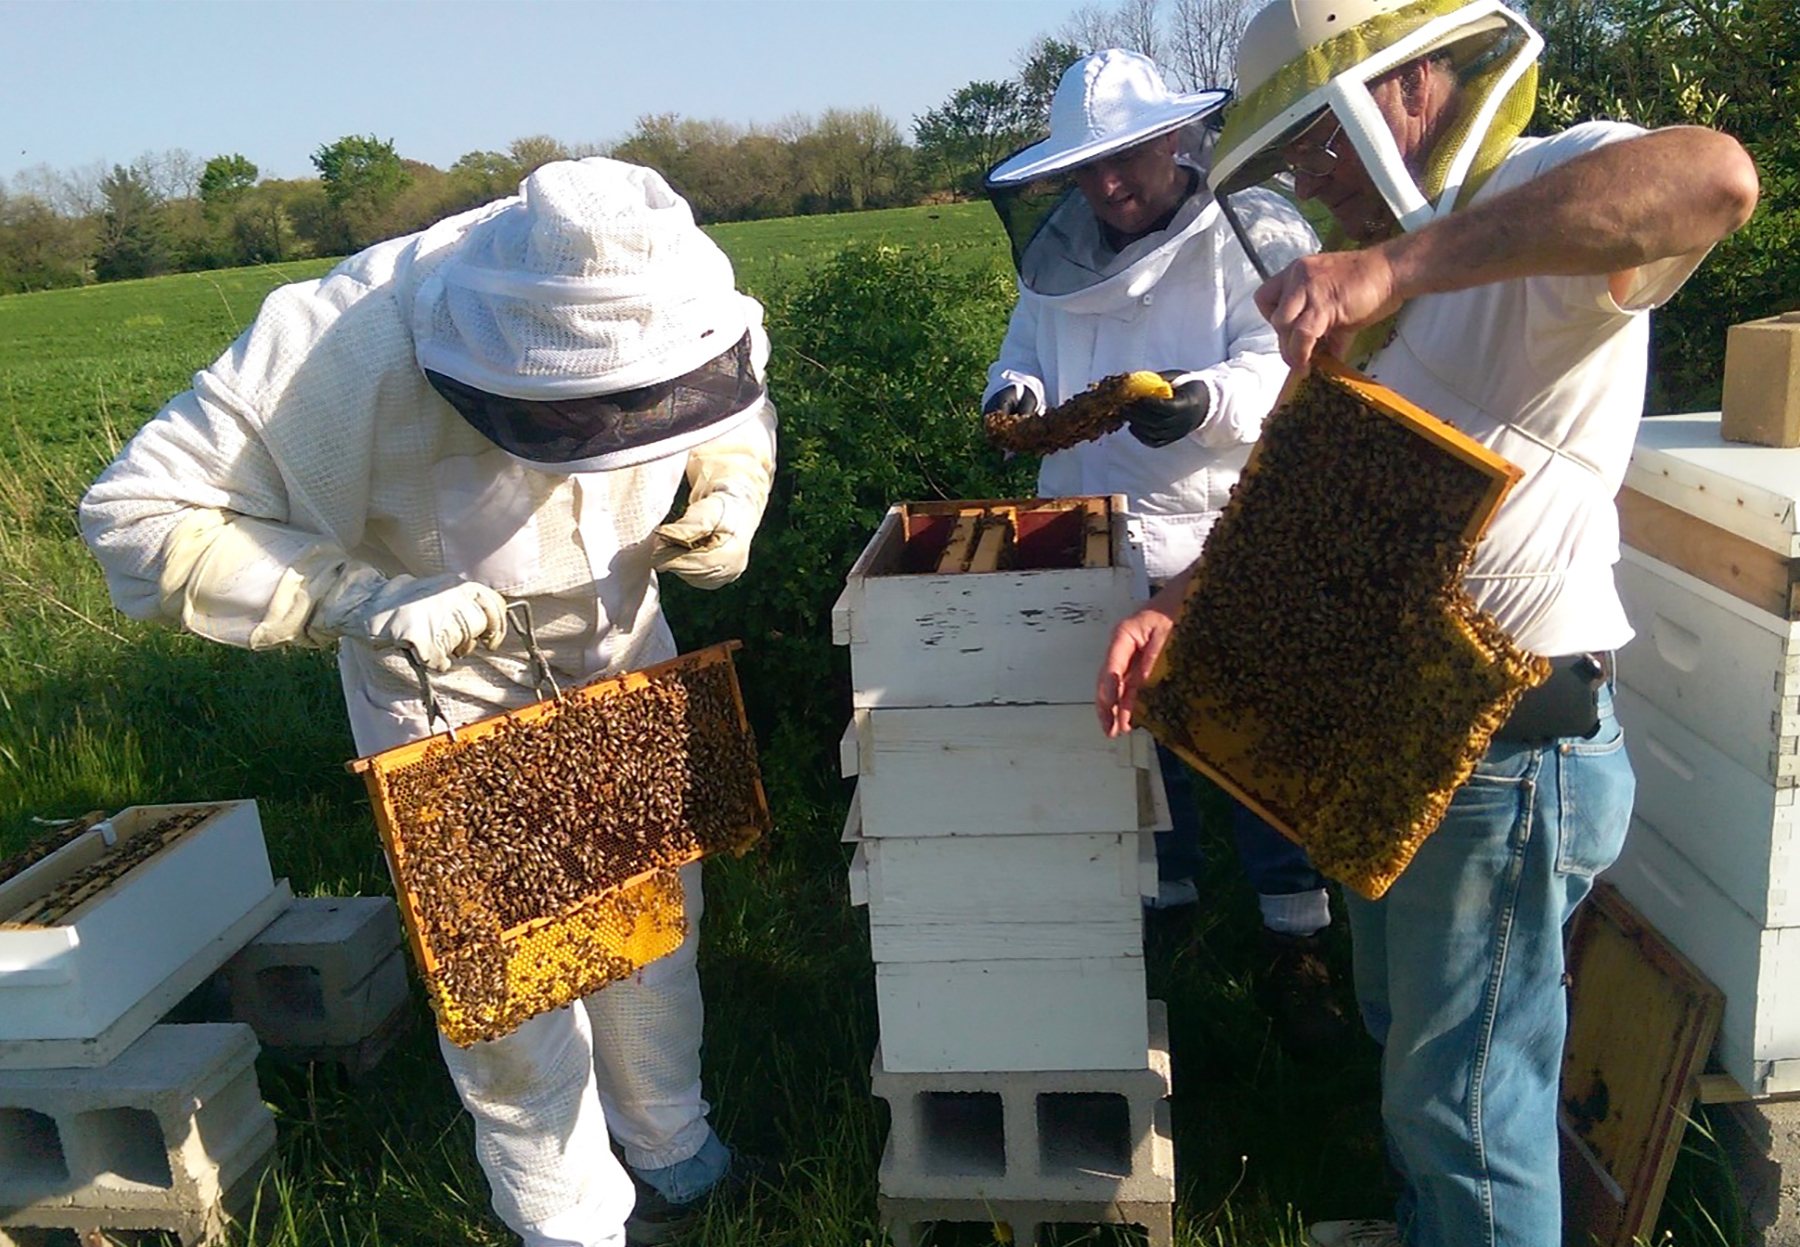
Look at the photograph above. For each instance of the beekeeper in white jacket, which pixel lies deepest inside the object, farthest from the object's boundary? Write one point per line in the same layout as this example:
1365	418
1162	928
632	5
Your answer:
1126	263
501	406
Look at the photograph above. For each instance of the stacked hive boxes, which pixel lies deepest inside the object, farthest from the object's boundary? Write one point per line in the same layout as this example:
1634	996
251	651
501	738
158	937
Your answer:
1003	845
1709	693
109	1120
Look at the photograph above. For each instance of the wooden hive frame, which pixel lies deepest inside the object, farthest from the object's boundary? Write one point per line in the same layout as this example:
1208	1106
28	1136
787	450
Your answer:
1360	792
555	957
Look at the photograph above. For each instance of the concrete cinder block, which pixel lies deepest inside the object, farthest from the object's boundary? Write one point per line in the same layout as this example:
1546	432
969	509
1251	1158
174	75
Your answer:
1761	404
1762	1138
168	1136
328	973
1088	1135
905	1218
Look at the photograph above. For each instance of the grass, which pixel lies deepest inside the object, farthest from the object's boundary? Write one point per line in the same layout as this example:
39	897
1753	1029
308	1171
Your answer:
99	712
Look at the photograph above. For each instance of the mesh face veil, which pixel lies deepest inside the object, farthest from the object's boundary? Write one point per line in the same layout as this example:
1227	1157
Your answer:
1105	105
1057	244
1297	60
588	323
611	430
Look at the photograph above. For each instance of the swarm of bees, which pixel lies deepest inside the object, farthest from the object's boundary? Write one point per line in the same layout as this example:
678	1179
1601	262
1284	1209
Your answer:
1095	412
538	858
83	885
1327	665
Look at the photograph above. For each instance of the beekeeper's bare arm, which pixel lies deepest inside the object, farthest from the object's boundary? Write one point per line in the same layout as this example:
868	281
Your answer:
1613	210
728	488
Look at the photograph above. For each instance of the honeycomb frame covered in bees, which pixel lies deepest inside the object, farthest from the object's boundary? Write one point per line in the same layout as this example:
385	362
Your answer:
1327	666
1093	413
534	853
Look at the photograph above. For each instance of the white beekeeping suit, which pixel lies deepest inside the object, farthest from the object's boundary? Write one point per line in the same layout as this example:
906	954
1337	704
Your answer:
502	406
1178	300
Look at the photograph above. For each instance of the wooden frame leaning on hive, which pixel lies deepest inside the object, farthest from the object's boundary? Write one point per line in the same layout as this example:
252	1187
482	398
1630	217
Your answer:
1326	667
534	852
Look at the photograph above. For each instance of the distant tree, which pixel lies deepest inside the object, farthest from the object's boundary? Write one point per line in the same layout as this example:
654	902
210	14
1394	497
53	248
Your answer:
1045	59
362	177
1193	42
534	151
961	139
40	249
224	181
1203	42
133	237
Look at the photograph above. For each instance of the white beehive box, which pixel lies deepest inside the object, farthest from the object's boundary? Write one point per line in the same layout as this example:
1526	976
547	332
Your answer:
942	898
998	771
1738	829
1034	633
1020	1014
1728	671
79	983
1757	968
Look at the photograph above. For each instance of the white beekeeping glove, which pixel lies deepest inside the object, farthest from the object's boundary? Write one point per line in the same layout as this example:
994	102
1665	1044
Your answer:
438	618
728	486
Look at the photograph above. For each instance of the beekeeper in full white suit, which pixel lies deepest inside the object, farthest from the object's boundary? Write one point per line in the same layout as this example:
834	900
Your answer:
501	406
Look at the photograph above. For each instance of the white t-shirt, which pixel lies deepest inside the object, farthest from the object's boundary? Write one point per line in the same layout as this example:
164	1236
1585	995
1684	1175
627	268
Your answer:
1548	372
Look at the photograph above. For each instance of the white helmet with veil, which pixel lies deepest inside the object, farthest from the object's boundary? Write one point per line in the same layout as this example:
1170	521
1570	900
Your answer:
1104	104
1300	58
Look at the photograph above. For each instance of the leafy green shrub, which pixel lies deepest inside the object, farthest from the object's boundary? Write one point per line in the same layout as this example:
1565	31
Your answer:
879	356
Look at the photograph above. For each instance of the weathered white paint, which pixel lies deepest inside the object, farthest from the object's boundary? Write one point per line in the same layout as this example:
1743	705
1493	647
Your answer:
1726	670
1739	830
1757	968
1012	1015
997	771
985	638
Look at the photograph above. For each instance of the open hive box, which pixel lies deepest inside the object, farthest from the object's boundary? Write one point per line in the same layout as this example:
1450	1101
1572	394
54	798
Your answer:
1327	668
106	923
987	602
534	852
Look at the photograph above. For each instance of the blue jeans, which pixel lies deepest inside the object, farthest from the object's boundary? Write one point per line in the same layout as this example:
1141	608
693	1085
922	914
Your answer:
1274	865
1459	976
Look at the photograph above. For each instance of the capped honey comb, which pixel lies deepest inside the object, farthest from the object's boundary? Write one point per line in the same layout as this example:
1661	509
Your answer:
534	854
1095	412
1327	667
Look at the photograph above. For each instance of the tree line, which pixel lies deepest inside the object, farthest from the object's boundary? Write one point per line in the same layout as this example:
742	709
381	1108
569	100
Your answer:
1732	64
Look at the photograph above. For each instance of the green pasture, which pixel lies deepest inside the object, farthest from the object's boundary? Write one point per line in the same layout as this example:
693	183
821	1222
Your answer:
882	324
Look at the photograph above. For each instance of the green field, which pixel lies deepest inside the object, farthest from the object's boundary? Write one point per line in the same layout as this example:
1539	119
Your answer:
99	712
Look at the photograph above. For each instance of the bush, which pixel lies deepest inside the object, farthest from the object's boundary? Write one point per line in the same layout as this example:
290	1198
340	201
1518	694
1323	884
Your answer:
879	356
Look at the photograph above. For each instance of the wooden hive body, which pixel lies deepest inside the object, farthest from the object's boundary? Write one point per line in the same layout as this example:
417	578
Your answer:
1327	667
102	936
533	853
1709	695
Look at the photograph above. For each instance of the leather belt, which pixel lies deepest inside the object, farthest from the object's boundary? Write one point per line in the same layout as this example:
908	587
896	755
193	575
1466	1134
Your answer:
1566	704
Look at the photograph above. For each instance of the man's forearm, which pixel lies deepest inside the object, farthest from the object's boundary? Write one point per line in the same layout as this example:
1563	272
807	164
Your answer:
1667	193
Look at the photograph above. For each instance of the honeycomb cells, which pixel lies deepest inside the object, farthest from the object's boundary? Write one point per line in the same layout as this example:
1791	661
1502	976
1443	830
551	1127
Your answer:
1327	663
539	858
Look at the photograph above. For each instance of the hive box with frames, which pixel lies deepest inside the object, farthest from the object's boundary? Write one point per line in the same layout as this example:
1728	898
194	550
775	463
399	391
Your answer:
104	933
1326	666
534	852
923	632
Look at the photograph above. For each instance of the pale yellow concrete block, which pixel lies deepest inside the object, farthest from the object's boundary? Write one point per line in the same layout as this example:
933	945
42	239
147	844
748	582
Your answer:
1762	382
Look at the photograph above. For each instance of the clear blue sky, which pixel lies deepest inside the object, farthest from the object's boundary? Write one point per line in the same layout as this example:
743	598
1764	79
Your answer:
84	81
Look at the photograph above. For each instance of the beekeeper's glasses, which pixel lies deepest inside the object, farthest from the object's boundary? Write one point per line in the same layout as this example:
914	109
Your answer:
1314	159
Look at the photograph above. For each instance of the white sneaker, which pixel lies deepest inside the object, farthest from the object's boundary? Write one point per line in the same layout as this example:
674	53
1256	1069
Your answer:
1173	894
1353	1234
